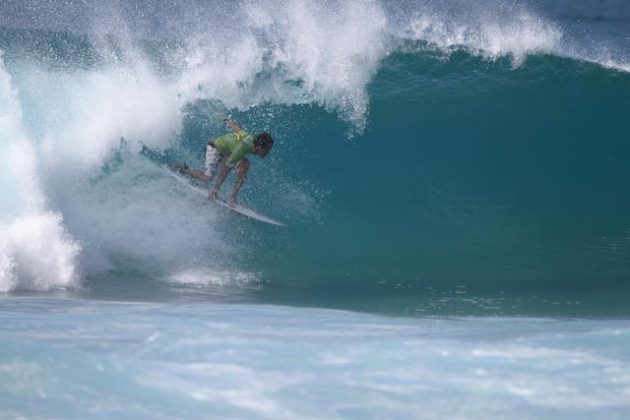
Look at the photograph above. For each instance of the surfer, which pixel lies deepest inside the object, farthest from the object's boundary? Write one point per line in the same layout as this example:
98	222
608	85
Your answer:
230	150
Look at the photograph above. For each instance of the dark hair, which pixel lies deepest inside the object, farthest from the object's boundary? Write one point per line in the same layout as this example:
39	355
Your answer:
263	140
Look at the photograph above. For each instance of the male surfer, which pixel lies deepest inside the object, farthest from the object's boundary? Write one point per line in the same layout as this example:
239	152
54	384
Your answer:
230	150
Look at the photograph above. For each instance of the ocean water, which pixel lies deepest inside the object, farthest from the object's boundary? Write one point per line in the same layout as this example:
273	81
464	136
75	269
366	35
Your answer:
453	177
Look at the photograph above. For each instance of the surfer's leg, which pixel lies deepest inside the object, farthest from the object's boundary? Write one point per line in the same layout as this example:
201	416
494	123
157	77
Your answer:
212	161
241	173
222	160
183	169
196	173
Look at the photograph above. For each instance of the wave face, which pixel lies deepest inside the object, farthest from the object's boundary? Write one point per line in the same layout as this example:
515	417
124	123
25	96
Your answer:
422	149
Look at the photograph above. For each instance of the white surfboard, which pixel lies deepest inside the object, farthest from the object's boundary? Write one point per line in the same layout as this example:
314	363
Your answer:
244	211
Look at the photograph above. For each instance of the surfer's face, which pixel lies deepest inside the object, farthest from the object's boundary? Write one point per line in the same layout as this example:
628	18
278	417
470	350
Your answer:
262	151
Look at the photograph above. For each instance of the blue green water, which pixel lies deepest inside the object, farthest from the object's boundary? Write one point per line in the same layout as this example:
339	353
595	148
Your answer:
453	177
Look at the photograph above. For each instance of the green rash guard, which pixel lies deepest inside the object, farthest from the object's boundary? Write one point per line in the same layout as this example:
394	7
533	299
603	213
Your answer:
235	146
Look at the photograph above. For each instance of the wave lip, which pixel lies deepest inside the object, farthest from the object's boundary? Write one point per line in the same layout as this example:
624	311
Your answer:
516	36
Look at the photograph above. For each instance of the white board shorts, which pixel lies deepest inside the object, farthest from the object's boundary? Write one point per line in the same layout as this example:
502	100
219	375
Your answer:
212	161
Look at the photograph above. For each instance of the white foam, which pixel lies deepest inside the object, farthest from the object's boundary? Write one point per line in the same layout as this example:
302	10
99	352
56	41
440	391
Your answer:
136	215
84	115
305	52
204	277
515	36
36	253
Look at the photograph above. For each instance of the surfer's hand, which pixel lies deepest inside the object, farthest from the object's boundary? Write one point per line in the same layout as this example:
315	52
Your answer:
179	168
214	195
232	202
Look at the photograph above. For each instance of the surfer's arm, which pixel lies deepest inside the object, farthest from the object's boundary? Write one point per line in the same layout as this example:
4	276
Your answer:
243	168
233	126
217	186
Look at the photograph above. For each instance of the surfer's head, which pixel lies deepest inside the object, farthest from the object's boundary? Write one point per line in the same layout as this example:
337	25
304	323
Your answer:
262	144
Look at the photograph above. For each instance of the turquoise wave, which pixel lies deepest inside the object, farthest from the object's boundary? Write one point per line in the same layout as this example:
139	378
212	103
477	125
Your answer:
471	175
461	175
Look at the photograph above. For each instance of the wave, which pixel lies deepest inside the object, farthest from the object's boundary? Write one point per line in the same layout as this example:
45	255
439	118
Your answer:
428	194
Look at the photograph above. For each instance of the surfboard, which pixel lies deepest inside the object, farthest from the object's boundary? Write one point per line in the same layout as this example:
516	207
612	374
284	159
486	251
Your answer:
243	211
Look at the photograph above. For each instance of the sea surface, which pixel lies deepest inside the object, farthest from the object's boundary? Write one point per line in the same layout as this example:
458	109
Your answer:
453	176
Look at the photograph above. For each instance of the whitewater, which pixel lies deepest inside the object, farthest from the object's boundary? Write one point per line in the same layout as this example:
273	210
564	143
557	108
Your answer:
453	177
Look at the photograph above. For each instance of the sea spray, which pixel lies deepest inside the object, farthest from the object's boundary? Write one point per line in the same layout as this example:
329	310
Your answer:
36	253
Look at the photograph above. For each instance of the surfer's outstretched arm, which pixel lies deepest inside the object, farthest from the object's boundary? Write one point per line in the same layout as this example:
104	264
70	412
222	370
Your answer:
233	126
214	194
243	168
